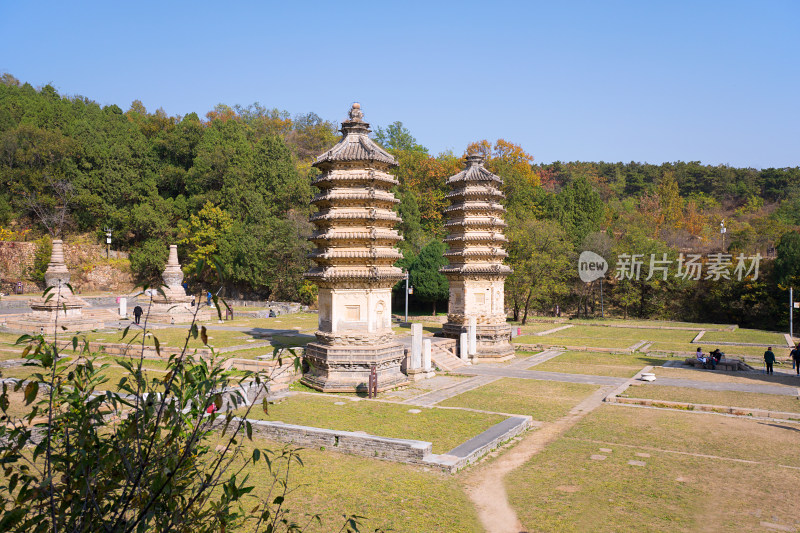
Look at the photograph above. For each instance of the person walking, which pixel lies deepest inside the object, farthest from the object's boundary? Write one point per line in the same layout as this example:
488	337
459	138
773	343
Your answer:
769	360
796	358
137	314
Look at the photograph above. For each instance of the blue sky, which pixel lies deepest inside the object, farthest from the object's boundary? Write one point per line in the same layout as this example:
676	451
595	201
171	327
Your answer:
650	81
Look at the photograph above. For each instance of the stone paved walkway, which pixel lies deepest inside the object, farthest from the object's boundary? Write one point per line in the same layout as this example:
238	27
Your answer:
510	372
436	396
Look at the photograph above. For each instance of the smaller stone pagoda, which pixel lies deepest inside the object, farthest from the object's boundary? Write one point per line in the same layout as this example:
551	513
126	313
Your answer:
475	240
174	306
58	310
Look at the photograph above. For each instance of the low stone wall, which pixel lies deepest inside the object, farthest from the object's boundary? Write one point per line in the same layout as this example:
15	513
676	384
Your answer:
357	443
534	347
280	308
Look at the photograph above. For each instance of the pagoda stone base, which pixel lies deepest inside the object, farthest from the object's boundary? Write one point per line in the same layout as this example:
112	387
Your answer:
493	341
36	325
342	368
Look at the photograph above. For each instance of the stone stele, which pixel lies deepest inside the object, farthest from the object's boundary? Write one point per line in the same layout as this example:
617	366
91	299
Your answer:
354	257
174	306
58	310
475	240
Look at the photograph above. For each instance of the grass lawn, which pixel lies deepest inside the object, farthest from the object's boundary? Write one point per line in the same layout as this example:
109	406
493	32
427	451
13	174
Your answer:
391	496
427	327
304	321
445	428
630	335
646	323
114	373
752	400
726	377
543	400
556	339
695	432
745	335
529	329
563	489
598	364
172	337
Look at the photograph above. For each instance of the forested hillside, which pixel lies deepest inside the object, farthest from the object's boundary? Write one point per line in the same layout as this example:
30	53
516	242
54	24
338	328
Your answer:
234	186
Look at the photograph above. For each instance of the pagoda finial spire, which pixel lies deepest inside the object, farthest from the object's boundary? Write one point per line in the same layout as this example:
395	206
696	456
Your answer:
356	115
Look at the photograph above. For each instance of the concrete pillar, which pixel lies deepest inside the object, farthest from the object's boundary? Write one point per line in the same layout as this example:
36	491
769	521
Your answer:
426	355
416	346
123	308
463	348
472	331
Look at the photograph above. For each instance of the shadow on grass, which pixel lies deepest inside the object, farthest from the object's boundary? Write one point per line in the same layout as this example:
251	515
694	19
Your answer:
779	426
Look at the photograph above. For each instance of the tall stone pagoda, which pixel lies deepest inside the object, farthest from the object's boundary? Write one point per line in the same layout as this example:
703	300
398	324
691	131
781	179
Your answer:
60	309
475	254
354	256
174	306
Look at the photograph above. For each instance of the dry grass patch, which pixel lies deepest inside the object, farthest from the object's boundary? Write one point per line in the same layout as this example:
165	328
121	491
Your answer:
445	428
695	432
598	364
750	400
391	496
745	335
563	489
542	400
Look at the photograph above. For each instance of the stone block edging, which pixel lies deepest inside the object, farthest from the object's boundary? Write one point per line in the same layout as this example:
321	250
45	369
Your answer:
533	347
386	448
724	409
549	331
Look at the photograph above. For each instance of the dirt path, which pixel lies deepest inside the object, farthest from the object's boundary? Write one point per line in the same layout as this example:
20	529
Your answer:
485	486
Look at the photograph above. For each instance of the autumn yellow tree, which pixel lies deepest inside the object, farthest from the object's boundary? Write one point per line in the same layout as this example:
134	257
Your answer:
200	237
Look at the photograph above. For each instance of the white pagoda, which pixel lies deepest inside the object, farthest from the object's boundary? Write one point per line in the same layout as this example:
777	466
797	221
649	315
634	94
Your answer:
355	252
475	240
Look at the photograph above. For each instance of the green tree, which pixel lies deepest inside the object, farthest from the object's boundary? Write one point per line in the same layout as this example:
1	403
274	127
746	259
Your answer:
579	209
541	255
429	284
201	237
396	138
148	260
787	262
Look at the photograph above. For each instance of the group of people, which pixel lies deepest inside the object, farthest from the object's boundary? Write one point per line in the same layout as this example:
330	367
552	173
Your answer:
711	360
769	359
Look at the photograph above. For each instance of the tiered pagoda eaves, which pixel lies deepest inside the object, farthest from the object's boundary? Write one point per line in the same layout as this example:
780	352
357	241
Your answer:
475	240
354	258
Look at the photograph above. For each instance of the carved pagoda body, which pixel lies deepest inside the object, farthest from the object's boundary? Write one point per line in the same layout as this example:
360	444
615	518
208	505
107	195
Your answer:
354	257
60	308
475	240
174	306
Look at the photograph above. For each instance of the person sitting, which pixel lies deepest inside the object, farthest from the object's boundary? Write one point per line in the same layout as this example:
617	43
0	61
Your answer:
706	361
272	313
717	355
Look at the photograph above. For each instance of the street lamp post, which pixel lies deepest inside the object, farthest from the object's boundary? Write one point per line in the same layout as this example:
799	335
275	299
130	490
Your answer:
722	231
108	242
405	273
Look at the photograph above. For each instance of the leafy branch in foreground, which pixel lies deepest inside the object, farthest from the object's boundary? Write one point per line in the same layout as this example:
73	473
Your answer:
147	453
